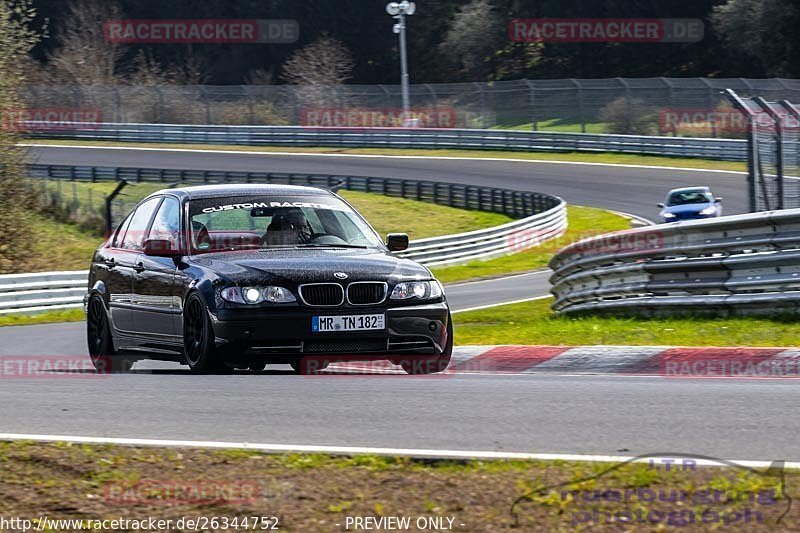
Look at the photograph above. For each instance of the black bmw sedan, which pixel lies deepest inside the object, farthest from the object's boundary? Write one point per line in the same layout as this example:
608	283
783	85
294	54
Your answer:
221	277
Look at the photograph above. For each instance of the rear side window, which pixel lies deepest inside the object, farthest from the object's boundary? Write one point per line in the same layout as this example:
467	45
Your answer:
120	234
134	235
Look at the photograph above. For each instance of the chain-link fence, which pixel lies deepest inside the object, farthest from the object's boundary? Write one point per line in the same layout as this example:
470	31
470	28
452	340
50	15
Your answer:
772	130
642	106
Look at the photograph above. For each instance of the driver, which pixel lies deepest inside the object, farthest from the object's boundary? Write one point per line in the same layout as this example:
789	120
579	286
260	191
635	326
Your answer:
288	226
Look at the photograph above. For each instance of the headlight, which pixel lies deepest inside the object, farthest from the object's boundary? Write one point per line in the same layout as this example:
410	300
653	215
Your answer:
422	290
710	210
668	215
256	295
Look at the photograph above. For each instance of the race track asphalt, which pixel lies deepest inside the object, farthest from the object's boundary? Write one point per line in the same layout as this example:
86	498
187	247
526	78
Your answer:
630	190
601	414
617	415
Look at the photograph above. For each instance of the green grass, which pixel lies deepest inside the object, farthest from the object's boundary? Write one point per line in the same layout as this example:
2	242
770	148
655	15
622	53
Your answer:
419	219
573	157
60	246
533	323
46	317
556	125
583	222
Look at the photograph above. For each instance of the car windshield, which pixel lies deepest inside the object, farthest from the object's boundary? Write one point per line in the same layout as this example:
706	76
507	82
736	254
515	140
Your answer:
267	222
689	197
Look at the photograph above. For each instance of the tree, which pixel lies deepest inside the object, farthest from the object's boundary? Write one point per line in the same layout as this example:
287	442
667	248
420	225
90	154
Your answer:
17	38
85	56
762	31
474	35
326	61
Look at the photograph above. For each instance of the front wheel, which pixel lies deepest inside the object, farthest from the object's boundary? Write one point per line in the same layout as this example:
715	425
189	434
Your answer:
435	363
100	343
198	338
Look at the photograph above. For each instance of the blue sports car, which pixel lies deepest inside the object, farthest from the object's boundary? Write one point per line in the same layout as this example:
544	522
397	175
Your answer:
690	203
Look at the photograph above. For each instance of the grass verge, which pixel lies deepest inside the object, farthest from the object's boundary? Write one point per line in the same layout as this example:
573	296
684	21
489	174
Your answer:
45	317
570	157
308	492
583	222
533	323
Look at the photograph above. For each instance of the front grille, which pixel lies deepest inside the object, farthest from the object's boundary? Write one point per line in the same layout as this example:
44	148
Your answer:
366	345
366	293
322	294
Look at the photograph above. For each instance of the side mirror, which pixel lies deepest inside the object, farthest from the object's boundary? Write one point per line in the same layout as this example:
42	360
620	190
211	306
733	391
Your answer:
397	242
661	205
718	199
159	248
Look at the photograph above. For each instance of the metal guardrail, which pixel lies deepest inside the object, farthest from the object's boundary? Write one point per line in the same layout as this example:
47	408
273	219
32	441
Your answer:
42	291
742	264
544	217
511	140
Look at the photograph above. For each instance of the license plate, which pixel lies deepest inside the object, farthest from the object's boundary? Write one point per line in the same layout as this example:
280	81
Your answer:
325	324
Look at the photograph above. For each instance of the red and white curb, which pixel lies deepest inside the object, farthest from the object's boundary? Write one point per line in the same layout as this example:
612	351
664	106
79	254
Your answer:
664	361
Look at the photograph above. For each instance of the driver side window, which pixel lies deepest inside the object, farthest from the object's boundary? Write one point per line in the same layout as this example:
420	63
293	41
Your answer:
167	223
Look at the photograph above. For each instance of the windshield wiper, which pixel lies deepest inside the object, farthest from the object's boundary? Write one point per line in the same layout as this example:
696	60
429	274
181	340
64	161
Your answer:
312	245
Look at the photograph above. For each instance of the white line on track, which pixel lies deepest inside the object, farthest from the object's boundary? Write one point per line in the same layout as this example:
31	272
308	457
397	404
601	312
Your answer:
489	306
378	156
357	450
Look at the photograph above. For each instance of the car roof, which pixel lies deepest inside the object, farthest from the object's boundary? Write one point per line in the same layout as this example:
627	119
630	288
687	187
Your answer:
690	189
241	189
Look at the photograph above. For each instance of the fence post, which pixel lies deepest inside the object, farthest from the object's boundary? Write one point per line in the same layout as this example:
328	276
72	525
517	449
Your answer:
776	119
532	101
581	116
483	105
752	146
628	104
109	199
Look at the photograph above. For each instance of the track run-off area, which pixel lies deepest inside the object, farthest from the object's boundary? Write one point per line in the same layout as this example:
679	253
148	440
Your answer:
484	412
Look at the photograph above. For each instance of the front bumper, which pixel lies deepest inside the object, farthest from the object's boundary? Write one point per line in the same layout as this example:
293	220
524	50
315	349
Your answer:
418	329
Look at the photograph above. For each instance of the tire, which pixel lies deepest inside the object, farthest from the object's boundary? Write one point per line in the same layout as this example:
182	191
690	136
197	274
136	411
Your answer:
100	342
432	364
199	350
257	366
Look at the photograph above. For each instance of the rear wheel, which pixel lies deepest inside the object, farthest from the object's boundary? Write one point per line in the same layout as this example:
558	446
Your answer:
435	363
198	339
99	340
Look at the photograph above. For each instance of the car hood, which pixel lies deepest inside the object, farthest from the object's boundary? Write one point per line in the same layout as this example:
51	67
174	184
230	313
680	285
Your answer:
295	266
687	208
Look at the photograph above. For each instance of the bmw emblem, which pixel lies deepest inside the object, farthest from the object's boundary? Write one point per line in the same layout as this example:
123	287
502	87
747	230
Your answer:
340	275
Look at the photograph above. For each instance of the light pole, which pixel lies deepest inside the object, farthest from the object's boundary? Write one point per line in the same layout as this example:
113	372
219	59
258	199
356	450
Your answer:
399	10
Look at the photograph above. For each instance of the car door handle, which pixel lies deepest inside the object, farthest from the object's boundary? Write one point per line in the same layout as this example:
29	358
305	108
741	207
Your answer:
110	263
139	267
